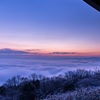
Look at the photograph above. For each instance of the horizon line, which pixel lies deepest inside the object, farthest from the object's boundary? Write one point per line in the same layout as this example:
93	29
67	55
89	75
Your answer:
54	53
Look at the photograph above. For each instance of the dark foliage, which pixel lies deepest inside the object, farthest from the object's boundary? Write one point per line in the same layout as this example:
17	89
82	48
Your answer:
38	87
27	92
3	90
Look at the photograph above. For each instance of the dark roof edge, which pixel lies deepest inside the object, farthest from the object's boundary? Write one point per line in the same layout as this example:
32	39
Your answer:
91	3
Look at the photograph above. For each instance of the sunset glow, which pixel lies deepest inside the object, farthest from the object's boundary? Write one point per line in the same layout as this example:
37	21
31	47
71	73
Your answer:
50	26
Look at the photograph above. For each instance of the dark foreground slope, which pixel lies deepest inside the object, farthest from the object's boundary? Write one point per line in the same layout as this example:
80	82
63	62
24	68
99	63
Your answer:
71	86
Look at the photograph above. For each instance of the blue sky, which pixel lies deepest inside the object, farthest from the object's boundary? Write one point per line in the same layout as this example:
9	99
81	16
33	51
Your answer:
52	25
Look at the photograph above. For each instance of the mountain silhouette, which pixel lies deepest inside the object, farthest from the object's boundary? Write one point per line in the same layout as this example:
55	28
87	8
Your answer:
11	51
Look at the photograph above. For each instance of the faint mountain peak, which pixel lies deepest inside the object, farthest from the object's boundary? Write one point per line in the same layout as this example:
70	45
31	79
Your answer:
11	51
5	49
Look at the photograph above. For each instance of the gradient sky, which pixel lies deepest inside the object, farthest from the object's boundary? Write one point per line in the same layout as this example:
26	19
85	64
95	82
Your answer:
49	25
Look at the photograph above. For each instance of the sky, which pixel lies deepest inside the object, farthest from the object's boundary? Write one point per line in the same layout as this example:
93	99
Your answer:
49	26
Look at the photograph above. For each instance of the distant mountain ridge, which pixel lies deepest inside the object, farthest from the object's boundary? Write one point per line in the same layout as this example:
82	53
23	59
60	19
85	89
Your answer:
11	51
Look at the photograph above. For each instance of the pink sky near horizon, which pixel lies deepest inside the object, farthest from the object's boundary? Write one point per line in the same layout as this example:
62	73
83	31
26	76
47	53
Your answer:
48	52
50	26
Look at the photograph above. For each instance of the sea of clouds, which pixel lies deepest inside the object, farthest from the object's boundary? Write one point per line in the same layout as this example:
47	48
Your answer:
47	66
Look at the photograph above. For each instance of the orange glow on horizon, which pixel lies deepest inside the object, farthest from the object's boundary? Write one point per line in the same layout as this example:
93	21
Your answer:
49	52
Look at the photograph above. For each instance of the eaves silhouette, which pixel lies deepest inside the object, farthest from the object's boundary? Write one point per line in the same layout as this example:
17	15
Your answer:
94	3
